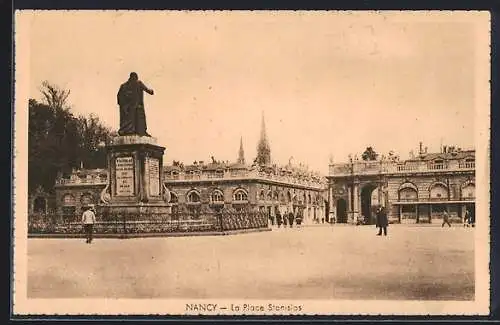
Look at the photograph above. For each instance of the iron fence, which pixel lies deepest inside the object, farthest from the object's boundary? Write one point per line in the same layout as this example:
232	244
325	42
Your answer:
128	223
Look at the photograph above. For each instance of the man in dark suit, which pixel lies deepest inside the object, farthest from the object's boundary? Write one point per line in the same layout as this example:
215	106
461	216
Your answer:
382	221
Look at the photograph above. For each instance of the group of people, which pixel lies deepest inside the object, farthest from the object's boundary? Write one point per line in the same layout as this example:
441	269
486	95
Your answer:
468	219
288	218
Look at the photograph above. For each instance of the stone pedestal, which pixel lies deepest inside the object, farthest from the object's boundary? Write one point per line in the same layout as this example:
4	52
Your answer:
135	185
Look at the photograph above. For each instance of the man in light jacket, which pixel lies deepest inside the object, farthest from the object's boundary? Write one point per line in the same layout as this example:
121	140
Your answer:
88	220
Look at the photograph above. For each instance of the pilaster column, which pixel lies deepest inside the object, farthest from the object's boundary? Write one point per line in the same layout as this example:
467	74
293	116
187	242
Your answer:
356	197
356	201
349	199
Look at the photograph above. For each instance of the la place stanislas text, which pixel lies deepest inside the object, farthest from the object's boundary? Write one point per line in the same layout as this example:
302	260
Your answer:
242	308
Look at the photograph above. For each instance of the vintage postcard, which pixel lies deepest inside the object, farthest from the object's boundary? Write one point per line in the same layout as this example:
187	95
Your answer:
251	163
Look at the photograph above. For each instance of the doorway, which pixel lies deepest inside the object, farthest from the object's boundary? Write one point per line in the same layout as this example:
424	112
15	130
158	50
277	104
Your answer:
366	203
341	211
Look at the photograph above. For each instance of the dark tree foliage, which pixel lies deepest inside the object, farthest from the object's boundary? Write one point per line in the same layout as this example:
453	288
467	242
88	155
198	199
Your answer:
58	141
369	154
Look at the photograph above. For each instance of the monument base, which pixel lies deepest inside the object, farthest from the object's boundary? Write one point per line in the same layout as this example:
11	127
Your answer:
141	210
135	166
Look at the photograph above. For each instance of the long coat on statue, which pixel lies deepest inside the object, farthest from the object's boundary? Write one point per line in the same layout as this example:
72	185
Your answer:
131	101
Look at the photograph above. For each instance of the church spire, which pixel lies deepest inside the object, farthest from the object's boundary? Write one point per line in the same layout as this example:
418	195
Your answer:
241	153
263	149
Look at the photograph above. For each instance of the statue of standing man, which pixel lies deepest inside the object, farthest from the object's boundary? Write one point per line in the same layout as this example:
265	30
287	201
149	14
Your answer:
131	101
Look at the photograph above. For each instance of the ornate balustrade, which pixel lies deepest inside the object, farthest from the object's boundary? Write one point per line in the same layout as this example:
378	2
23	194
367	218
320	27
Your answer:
378	167
82	181
251	174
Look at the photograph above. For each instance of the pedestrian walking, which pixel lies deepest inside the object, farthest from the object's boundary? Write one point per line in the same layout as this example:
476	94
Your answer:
279	220
290	219
88	221
466	218
446	219
382	221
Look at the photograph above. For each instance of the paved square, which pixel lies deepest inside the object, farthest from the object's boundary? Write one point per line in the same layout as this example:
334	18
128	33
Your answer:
330	262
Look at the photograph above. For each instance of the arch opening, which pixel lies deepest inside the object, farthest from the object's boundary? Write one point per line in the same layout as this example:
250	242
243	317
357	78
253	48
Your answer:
341	211
367	206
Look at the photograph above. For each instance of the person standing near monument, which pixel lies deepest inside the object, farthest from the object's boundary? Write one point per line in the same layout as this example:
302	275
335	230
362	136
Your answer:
130	98
382	221
88	221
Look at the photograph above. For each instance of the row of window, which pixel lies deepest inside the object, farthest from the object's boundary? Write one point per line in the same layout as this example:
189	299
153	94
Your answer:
274	195
217	196
437	191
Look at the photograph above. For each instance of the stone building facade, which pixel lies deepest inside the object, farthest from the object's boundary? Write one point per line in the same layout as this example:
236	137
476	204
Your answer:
201	187
219	185
417	190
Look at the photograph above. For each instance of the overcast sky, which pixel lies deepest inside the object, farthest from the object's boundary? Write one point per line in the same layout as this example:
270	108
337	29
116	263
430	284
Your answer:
328	83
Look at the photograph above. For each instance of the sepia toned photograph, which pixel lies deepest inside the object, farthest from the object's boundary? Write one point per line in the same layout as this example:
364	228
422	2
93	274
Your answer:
251	163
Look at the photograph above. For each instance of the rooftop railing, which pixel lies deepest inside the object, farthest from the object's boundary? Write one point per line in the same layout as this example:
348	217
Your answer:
382	167
252	174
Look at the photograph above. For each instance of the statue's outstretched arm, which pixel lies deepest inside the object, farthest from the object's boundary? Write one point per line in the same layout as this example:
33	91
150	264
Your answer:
146	89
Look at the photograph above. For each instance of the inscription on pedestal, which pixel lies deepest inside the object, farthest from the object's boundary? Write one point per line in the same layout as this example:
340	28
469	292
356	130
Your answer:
153	168
124	176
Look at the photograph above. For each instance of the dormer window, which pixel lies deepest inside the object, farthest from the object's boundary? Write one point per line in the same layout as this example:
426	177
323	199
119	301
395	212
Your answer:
438	164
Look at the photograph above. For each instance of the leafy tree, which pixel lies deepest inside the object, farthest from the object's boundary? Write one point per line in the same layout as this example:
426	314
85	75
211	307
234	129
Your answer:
58	141
369	154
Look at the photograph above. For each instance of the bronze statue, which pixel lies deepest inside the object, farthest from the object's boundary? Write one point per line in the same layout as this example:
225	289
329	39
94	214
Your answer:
131	101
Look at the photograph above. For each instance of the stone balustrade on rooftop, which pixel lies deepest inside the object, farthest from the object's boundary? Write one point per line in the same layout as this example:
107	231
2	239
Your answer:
387	167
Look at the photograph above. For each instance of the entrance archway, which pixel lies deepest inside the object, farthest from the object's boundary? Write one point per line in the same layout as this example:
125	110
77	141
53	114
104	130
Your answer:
366	203
341	211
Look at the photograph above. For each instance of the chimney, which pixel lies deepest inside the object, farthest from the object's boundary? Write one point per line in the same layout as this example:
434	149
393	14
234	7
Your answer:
444	149
420	148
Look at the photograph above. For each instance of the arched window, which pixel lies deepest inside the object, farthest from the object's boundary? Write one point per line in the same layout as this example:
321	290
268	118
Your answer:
468	191
408	192
269	195
309	199
240	195
193	197
438	191
288	196
217	196
174	199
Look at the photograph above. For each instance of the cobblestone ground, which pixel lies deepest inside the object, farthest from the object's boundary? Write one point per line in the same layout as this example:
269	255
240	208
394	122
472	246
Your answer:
339	262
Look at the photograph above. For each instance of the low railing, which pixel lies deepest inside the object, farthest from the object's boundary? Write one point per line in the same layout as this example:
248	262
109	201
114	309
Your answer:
124	223
76	181
247	175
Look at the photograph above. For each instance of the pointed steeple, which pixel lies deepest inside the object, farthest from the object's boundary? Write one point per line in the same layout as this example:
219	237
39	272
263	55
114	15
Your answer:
241	153
263	148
